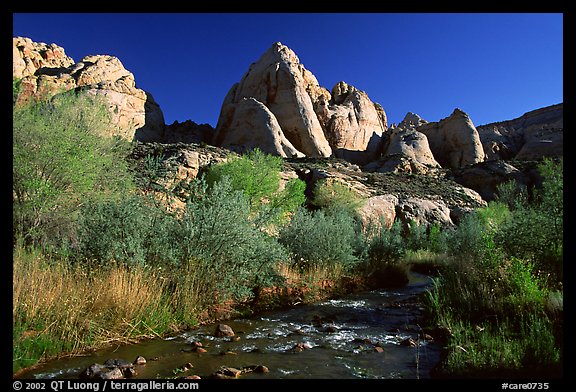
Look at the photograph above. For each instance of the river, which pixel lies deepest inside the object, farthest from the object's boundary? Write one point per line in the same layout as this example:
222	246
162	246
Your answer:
372	334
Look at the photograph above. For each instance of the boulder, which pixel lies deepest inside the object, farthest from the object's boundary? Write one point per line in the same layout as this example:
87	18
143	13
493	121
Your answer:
454	141
423	211
281	83
223	330
140	361
379	209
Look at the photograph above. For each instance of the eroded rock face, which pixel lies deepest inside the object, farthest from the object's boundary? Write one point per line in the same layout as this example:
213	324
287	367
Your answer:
29	57
352	123
485	177
405	150
536	134
345	124
454	141
46	70
279	82
254	126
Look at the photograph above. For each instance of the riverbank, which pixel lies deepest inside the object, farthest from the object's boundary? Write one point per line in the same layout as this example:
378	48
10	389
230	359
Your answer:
370	334
70	311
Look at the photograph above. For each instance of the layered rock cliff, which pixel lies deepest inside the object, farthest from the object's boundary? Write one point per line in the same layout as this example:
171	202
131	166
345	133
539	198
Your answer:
428	172
533	135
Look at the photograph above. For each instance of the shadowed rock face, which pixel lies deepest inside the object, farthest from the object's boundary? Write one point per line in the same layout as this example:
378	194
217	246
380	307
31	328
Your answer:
317	124
253	125
535	134
454	141
45	70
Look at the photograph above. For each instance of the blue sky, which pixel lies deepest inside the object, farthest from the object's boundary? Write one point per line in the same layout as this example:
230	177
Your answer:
493	66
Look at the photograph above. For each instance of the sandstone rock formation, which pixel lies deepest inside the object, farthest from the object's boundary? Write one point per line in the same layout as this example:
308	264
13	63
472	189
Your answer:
405	150
352	123
29	57
253	126
454	141
279	81
421	198
533	135
485	177
344	124
48	71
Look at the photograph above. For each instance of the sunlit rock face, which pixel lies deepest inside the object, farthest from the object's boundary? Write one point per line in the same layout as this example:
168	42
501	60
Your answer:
45	70
344	124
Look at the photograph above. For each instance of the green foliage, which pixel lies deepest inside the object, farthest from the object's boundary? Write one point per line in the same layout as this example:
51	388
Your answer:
218	237
257	176
535	231
385	245
59	161
332	194
320	239
16	83
214	237
116	230
527	291
512	194
505	350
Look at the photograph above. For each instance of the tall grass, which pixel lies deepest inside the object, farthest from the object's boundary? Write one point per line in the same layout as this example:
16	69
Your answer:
61	308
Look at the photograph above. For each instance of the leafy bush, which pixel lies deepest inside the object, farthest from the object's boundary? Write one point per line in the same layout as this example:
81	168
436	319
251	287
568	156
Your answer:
332	194
385	245
116	231
214	237
59	161
228	251
535	231
320	239
15	89
257	175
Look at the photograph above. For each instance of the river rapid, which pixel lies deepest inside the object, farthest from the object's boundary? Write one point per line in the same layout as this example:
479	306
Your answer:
372	335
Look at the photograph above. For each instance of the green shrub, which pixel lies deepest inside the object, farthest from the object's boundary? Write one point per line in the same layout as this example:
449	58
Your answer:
320	239
16	83
385	248
385	245
257	175
59	161
229	254
116	231
512	194
526	290
333	194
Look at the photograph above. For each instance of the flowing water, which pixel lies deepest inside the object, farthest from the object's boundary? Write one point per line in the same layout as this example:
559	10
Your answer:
332	339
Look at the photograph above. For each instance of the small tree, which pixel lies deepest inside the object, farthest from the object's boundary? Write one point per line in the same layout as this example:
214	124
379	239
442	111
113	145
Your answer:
59	160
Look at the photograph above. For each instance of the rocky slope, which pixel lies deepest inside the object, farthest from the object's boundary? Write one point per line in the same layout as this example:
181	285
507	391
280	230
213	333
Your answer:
416	170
